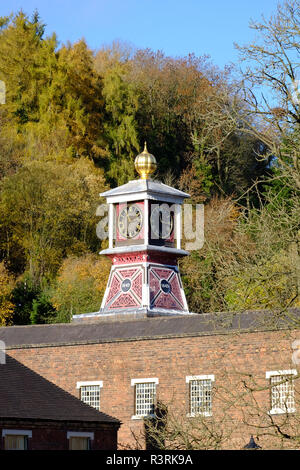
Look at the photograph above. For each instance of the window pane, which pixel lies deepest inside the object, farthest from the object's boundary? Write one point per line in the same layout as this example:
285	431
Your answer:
282	392
15	442
145	394
90	394
79	443
200	396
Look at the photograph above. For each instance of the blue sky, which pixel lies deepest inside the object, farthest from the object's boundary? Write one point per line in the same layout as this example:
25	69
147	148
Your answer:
176	27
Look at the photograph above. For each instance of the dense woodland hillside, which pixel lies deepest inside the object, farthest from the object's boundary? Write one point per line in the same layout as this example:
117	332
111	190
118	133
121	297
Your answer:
74	120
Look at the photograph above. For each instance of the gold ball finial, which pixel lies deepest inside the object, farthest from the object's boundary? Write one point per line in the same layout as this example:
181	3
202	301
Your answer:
145	164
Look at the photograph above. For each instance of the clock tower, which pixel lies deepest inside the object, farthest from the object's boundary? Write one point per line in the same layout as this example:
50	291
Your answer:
144	246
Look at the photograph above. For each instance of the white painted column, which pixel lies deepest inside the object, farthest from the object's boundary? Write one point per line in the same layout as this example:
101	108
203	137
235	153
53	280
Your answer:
110	225
178	225
145	289
146	221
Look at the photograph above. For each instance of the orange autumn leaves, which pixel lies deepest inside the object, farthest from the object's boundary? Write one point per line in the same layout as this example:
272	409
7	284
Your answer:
80	285
6	305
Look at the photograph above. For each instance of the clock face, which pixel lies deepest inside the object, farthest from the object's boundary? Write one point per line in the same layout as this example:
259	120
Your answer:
161	221
130	221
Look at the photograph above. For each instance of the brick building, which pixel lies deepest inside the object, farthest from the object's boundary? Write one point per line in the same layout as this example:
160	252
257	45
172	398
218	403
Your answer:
178	360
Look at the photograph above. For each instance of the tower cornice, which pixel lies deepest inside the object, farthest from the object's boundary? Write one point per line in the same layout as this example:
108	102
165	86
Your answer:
144	248
144	189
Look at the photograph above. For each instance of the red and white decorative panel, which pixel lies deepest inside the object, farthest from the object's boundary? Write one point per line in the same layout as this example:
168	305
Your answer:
125	288
165	289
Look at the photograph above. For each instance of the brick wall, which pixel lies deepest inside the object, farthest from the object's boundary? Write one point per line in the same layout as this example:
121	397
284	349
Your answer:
232	359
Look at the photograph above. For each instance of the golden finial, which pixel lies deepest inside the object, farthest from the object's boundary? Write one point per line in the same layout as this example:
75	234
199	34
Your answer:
145	163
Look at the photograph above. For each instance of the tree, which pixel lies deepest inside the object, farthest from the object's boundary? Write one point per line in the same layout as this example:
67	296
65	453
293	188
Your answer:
31	302
23	64
80	286
42	309
48	210
121	130
23	295
169	90
258	265
6	304
73	101
267	275
204	271
54	96
250	258
271	89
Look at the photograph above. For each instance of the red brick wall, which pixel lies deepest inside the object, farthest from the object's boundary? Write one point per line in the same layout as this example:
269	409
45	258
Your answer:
229	357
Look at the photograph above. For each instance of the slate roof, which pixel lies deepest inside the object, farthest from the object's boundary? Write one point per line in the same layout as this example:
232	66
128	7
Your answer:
139	186
24	394
146	328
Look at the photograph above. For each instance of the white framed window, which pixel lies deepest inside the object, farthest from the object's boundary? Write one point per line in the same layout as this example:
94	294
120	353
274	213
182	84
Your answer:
200	394
145	397
90	392
282	391
16	439
80	440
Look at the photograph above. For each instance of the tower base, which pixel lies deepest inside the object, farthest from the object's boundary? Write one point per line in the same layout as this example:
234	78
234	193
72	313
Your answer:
129	314
144	282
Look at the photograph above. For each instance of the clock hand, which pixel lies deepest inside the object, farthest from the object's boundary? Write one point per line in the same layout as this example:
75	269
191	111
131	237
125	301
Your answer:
133	216
132	220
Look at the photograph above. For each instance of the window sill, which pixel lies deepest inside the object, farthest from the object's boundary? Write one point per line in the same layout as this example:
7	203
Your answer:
196	415
142	416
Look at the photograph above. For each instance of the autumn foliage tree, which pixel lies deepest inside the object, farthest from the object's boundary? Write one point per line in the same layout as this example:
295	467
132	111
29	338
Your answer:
6	305
48	210
80	285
